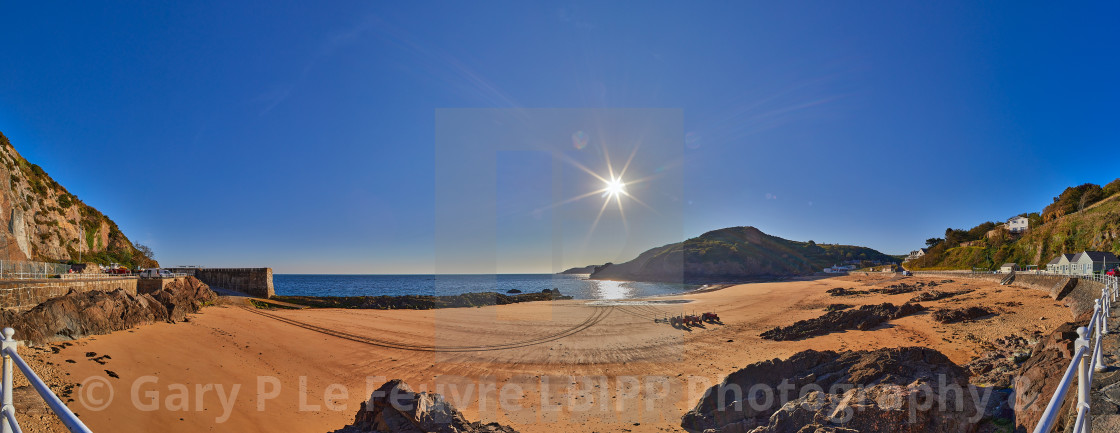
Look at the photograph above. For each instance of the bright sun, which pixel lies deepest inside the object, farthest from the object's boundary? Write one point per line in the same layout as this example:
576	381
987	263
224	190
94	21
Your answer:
615	187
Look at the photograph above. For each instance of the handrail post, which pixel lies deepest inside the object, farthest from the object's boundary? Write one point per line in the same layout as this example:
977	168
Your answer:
1105	306
1083	384
5	344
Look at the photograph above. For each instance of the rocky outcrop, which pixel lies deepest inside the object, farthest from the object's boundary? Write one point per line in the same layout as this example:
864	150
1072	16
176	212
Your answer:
998	365
954	315
78	314
885	390
862	318
422	302
1039	375
396	408
937	295
41	220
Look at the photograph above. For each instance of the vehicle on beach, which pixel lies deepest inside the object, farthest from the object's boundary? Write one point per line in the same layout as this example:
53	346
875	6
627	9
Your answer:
907	274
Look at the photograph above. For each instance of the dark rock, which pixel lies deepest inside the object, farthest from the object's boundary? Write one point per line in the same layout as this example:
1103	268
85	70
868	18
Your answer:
855	391
862	318
421	302
936	295
396	408
513	291
837	307
954	315
1039	376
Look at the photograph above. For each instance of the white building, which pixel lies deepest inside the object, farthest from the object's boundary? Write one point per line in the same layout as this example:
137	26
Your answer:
1018	224
1007	268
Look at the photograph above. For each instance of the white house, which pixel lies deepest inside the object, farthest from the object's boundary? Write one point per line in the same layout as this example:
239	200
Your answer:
916	253
1083	263
1018	224
1007	268
1092	262
836	270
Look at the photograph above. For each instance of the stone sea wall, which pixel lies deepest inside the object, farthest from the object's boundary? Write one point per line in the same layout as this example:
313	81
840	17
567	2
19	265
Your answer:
250	281
17	294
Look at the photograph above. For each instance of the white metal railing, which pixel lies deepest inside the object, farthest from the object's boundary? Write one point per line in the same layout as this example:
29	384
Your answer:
22	270
9	424
1087	354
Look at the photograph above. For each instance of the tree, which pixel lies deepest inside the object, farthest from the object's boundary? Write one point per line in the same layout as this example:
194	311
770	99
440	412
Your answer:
931	242
146	251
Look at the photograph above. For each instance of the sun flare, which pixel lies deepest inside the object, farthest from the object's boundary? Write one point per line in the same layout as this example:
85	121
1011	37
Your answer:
615	187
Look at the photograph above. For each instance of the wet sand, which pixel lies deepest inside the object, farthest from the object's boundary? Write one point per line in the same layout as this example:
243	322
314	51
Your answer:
541	366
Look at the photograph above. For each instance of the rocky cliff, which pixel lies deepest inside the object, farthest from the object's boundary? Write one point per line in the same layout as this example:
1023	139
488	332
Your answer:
734	254
41	220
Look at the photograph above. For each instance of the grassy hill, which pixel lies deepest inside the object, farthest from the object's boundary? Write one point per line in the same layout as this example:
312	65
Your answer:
1086	217
734	254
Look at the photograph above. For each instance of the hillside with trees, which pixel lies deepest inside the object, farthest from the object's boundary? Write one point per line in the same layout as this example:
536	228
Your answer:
735	254
1084	217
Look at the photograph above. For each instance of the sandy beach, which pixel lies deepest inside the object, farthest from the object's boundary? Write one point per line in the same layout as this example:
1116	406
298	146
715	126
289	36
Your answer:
539	366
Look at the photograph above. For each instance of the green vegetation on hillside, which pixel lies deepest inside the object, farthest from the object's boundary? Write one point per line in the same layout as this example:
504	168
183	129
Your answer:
1085	217
62	227
735	253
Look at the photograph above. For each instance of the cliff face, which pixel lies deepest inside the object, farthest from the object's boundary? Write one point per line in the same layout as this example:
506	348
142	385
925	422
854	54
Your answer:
734	254
40	220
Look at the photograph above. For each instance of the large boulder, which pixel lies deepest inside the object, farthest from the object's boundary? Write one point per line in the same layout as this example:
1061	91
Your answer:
396	408
1039	376
885	390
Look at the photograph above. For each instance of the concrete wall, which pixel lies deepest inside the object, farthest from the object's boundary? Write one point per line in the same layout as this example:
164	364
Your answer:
29	293
250	281
1078	294
149	285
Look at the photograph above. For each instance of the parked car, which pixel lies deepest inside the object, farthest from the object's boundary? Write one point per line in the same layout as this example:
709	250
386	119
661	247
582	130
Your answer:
1112	272
155	273
907	273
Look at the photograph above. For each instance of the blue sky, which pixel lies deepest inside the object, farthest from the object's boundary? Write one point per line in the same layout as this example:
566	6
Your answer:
302	135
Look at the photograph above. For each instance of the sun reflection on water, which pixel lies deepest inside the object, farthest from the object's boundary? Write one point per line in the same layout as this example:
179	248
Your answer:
606	289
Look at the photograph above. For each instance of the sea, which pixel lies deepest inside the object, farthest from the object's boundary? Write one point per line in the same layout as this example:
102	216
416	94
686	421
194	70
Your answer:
577	286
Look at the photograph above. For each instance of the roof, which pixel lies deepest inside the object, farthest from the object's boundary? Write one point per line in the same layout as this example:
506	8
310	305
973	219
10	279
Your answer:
1005	265
1097	256
1055	261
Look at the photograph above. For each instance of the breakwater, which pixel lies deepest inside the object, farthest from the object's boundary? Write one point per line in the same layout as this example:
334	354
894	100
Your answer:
250	281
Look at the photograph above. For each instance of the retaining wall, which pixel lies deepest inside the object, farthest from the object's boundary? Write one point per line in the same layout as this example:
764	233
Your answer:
29	293
1077	293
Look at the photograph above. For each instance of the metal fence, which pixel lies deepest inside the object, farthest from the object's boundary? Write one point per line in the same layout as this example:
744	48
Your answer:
1088	353
21	270
9	424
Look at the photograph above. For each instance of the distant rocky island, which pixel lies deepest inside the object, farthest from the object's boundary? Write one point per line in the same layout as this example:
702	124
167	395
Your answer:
732	254
590	269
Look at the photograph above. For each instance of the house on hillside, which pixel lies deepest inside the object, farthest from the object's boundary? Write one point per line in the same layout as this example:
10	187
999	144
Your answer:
1092	262
836	270
1007	268
917	253
1018	224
